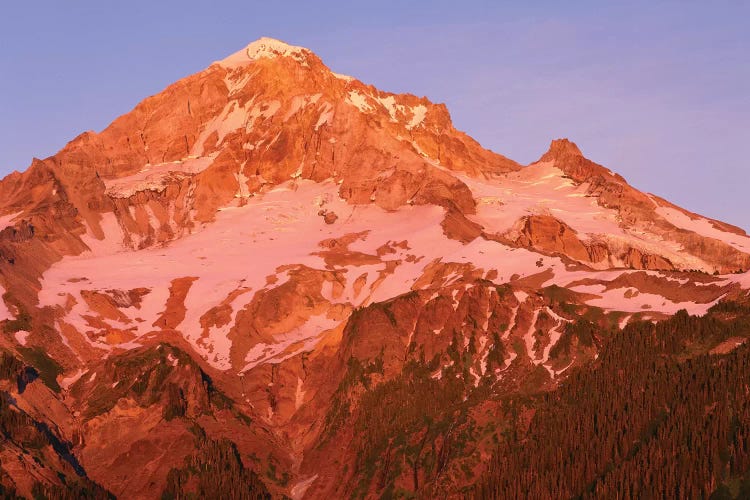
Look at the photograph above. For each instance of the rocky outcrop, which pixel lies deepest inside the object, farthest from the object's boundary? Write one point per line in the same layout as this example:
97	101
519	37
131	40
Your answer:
638	260
545	233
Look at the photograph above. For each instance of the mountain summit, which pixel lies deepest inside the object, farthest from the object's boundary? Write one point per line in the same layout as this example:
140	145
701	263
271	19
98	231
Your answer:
237	269
559	148
265	47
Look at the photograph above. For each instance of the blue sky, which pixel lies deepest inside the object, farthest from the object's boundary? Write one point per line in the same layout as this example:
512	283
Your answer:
657	91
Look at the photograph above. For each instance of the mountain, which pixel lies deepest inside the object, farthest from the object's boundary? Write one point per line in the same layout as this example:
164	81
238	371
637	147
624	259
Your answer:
271	279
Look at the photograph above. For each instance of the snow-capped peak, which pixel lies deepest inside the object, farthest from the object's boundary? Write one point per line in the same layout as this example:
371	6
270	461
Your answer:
270	47
265	48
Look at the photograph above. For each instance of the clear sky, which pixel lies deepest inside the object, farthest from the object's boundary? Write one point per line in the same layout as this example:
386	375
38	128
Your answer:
657	91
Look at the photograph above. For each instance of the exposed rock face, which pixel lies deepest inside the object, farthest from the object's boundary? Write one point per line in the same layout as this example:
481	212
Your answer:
569	159
548	234
251	270
328	217
23	232
638	260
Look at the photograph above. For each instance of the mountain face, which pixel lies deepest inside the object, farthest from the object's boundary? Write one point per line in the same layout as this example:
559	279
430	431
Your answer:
270	279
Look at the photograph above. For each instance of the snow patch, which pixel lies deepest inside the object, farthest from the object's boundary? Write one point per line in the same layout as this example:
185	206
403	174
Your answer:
346	78
418	114
743	279
236	82
111	242
300	488
156	177
326	115
299	394
359	101
242	189
616	300
72	379
4	312
233	118
624	321
291	343
475	375
529	339
300	102
513	355
554	335
22	336
704	227
513	319
557	373
389	103
8	220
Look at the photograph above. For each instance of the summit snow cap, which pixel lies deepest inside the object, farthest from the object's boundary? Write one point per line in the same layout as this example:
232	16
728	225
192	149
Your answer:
265	48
